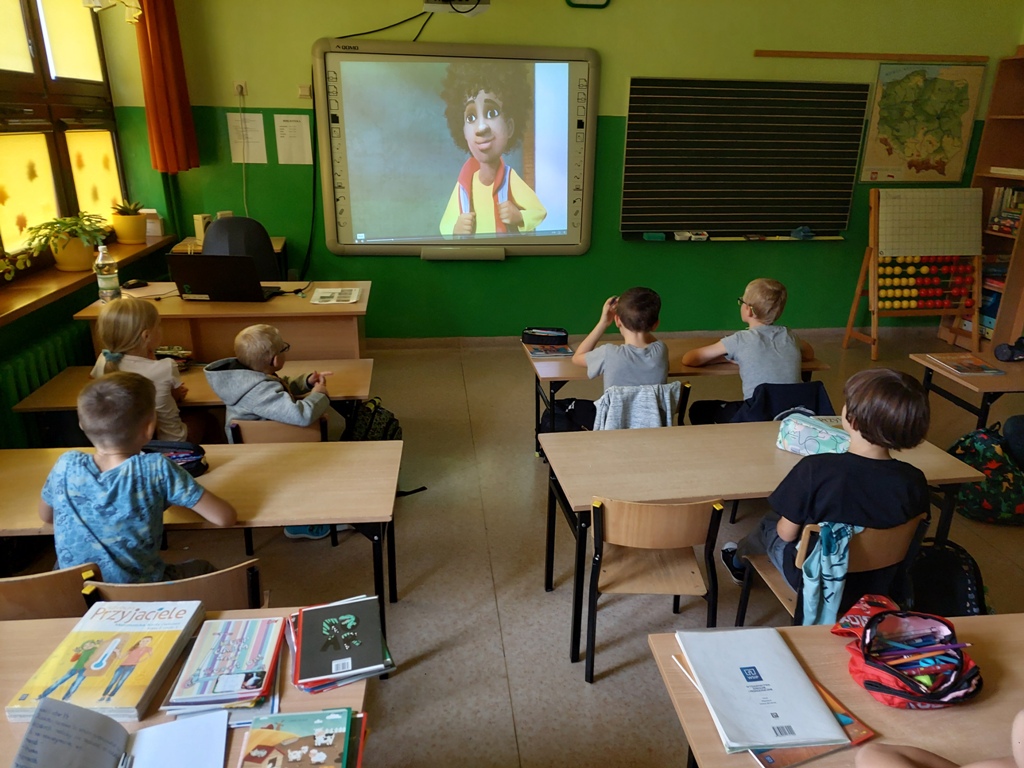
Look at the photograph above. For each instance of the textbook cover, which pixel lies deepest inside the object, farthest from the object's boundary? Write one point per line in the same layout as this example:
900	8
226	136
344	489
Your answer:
550	350
114	659
306	738
965	364
233	660
339	641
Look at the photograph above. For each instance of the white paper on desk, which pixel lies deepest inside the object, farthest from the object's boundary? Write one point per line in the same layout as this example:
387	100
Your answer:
293	143
756	691
149	291
248	143
196	742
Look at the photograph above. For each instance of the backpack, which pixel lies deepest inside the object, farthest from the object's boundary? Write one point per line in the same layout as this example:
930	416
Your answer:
946	581
999	498
571	414
372	421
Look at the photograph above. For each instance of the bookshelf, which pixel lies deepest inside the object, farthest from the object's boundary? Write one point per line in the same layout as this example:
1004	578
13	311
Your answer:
1000	166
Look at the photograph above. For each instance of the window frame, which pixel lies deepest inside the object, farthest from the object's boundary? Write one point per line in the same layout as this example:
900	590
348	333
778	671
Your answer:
38	103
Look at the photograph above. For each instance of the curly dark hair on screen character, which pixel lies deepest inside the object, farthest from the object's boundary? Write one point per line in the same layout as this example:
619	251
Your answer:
512	83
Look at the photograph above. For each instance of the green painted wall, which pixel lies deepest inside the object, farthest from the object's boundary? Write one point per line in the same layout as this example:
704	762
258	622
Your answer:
260	42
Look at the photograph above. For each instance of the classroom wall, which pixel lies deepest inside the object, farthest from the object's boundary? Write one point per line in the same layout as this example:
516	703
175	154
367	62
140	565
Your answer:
268	45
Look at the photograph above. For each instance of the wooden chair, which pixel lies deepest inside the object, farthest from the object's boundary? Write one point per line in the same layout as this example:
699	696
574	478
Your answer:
648	549
50	595
871	549
276	432
224	590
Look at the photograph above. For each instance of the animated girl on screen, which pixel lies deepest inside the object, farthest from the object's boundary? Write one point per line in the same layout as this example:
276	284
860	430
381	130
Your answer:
484	105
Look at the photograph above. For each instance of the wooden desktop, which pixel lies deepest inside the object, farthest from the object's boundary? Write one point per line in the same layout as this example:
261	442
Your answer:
27	644
208	328
990	386
963	733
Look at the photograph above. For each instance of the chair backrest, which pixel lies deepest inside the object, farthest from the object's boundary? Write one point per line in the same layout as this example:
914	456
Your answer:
50	595
637	407
240	236
276	432
874	548
656	526
224	590
770	401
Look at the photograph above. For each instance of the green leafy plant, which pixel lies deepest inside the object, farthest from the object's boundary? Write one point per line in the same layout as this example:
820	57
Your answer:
126	208
90	228
10	263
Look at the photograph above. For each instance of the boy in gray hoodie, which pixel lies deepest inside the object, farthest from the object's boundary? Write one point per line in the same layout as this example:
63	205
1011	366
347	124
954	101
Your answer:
251	389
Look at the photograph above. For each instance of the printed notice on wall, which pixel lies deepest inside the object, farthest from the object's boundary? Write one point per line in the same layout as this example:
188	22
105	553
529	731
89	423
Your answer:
248	142
293	145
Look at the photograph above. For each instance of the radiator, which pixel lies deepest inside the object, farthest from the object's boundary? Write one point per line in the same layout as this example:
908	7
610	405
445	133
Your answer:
24	372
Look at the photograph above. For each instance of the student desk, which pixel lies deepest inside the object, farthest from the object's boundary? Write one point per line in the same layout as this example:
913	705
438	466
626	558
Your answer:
964	733
990	387
681	464
208	328
270	484
350	381
556	372
26	644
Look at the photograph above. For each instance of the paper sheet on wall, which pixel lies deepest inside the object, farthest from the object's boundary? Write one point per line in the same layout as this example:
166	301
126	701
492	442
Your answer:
293	145
245	132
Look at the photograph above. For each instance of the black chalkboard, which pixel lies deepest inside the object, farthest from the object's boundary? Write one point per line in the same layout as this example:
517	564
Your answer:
734	157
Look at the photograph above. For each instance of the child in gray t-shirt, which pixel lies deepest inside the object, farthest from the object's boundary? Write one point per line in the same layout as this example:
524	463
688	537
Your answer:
765	353
642	359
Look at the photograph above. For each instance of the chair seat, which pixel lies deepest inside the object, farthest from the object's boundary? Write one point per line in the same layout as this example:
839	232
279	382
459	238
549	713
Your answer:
775	580
636	571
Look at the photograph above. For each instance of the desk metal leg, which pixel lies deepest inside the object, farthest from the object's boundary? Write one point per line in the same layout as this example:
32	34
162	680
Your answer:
578	524
375	533
389	532
538	395
691	761
981	411
549	542
247	534
949	493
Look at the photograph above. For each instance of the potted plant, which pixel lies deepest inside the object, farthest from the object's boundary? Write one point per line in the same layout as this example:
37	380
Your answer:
71	240
129	224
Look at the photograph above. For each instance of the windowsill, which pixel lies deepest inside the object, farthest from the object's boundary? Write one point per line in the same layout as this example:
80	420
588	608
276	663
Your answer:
27	293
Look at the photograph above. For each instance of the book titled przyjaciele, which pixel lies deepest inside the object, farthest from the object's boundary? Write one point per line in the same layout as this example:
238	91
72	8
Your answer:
114	659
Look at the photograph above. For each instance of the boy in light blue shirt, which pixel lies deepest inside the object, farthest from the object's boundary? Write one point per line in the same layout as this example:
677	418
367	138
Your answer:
108	507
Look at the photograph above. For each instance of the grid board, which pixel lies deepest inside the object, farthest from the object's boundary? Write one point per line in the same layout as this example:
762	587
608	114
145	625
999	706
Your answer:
929	222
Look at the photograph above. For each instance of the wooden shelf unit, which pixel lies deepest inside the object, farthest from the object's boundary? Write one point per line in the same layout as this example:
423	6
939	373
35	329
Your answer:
1002	146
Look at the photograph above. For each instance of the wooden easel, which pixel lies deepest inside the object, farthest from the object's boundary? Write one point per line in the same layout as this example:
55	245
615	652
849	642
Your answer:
884	253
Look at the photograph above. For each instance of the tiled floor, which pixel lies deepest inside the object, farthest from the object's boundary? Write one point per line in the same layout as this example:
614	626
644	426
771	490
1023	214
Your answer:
484	677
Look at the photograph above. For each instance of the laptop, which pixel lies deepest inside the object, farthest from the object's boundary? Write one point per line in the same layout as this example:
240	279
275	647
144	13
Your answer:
208	277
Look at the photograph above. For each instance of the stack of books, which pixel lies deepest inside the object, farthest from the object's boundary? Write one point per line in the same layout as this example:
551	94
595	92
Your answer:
232	665
114	660
337	643
1005	211
329	737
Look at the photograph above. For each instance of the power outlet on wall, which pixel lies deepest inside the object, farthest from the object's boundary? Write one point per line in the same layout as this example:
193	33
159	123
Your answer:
465	7
241	88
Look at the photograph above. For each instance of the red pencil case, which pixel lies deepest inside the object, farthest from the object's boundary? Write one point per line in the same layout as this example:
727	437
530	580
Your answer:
890	675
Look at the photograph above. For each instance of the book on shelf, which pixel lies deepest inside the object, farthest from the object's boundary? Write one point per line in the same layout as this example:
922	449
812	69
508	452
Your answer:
63	734
339	643
964	363
550	350
232	661
789	757
1002	170
309	738
114	659
335	295
758	695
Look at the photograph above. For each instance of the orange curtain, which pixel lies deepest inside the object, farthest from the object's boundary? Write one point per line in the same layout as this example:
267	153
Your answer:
172	134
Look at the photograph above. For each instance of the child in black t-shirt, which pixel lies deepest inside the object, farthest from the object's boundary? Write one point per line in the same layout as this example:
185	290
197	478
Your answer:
885	410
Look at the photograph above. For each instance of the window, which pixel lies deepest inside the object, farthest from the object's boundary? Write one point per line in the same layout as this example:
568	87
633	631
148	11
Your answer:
58	140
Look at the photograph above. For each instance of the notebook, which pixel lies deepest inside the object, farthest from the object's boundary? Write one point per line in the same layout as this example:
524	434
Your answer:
208	277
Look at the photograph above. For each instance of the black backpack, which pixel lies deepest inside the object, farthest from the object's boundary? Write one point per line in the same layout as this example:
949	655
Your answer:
946	581
372	421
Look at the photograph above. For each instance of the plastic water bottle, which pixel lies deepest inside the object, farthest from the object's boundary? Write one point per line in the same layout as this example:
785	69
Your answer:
106	276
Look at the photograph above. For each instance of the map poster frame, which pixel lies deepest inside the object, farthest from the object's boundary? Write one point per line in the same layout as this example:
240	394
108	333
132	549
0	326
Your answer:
922	117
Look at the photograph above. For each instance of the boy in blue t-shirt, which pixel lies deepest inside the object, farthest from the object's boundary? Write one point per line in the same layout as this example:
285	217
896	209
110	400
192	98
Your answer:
108	507
765	353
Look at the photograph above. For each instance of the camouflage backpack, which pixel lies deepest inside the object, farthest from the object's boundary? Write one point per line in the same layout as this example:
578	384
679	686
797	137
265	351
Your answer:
999	498
372	421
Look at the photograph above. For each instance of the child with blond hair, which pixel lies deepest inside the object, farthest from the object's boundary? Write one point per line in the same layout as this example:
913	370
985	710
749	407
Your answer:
129	330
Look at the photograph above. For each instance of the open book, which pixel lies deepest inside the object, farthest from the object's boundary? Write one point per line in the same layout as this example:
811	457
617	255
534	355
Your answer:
756	691
335	296
62	734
